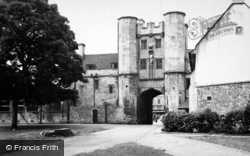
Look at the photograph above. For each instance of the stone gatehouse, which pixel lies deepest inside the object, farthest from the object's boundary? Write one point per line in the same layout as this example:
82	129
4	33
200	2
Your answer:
152	60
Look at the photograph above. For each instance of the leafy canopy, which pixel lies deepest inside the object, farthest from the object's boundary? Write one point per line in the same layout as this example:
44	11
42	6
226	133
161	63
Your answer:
37	52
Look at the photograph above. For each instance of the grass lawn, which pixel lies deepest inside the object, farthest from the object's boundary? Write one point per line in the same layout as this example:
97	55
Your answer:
127	149
235	141
32	131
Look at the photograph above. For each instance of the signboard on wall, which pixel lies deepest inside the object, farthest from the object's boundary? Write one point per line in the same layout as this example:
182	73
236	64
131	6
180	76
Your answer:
198	27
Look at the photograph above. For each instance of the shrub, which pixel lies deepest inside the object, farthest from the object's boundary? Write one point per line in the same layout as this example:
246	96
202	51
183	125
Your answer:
234	122
219	126
190	123
247	116
173	121
206	120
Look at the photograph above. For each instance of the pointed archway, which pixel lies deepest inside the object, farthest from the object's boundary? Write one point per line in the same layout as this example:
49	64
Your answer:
145	106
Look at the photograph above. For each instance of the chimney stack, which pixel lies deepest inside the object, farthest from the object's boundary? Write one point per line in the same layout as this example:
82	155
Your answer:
81	49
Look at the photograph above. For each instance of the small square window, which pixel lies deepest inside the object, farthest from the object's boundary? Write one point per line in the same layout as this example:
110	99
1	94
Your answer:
209	98
114	65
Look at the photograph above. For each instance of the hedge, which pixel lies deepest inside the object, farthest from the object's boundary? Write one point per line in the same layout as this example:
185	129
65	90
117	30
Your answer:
207	121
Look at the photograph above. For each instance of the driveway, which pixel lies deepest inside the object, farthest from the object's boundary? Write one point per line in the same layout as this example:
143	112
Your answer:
147	135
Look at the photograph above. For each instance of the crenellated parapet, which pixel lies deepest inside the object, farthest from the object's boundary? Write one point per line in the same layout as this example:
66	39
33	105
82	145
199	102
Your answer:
149	29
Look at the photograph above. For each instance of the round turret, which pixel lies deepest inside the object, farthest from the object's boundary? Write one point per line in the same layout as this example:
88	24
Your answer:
175	41
128	65
175	48
127	45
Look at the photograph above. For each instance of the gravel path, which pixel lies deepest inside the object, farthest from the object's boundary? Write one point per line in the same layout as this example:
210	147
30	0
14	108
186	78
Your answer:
146	135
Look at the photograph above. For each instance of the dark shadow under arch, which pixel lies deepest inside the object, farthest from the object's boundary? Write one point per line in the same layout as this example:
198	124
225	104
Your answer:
145	106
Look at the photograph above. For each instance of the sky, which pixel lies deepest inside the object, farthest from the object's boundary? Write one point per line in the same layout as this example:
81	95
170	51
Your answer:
94	22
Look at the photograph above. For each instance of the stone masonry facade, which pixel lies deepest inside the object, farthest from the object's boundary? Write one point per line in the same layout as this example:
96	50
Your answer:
224	98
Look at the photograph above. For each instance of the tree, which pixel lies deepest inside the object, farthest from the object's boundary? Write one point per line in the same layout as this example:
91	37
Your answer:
38	61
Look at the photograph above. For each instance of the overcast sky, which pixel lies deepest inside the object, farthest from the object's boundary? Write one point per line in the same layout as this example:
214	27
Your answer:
95	21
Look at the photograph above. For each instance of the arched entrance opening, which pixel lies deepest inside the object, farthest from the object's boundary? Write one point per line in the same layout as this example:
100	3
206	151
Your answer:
145	106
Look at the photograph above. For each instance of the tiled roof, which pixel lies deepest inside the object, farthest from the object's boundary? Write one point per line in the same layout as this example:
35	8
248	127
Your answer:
101	61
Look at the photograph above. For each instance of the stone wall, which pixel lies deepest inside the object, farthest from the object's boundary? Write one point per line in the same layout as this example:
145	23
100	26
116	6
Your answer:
192	94
91	98
223	98
84	114
174	90
128	92
34	116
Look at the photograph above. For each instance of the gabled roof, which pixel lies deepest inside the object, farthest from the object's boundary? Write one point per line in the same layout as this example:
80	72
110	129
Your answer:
218	21
192	53
101	61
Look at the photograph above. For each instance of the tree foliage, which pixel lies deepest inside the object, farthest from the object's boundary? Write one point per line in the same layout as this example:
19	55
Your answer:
37	53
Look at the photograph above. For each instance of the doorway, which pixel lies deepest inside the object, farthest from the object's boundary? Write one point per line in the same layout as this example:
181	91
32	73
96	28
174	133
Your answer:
95	116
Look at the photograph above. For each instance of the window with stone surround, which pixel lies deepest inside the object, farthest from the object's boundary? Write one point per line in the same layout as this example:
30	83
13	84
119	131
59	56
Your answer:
143	44
111	87
143	64
158	63
157	43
